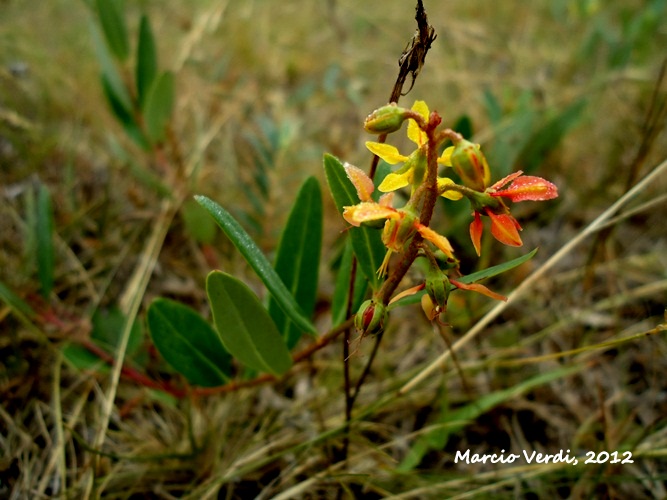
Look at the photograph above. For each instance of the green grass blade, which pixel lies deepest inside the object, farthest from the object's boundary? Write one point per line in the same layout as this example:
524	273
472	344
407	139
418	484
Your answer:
366	242
246	328
114	27
44	238
188	343
254	256
159	106
298	257
147	63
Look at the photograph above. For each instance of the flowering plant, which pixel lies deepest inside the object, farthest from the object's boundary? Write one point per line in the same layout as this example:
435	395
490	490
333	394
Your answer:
406	229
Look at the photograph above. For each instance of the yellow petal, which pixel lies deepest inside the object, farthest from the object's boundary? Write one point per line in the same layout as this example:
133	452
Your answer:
415	134
395	181
438	240
421	108
451	195
387	152
368	211
361	181
446	157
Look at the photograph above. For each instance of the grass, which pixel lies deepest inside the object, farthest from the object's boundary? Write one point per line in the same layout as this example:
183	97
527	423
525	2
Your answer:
573	361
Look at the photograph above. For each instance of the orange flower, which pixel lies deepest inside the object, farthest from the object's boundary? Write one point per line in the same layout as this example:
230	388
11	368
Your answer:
400	226
504	227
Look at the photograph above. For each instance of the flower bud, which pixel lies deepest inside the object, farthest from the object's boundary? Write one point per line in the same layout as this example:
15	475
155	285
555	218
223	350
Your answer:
438	288
385	120
371	317
471	165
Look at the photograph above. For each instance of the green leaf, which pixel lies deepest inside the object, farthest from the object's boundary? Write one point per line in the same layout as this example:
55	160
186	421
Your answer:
81	358
452	421
114	27
188	343
159	106
245	327
123	114
472	278
366	242
146	69
109	69
107	326
254	256
44	238
496	270
298	257
342	289
116	101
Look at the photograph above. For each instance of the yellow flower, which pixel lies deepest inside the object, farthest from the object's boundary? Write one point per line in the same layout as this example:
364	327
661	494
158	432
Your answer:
412	172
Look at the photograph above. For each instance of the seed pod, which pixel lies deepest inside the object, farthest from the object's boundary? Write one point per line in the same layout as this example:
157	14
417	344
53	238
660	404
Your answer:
371	317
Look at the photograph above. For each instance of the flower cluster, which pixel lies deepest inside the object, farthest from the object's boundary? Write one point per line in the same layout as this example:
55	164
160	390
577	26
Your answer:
419	171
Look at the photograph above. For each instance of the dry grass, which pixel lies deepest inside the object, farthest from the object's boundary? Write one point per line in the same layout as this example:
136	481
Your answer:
304	75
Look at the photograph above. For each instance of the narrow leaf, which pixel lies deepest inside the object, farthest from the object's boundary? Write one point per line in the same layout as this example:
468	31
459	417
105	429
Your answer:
499	269
245	327
147	64
188	343
159	106
298	257
254	256
108	66
366	242
472	278
117	101
114	27
44	238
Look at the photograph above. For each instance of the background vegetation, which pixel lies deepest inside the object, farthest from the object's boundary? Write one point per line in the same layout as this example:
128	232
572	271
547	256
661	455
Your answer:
573	91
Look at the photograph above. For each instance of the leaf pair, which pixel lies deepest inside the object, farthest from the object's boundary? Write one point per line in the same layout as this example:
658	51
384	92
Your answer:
258	338
155	92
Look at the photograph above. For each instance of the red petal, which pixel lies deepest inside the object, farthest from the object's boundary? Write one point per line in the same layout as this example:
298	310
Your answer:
529	188
505	229
476	228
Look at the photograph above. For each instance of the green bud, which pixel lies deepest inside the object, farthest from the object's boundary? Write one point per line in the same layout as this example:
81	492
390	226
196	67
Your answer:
438	288
385	120
371	317
471	166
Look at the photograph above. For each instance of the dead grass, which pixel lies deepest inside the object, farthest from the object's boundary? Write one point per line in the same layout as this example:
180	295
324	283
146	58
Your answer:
310	72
